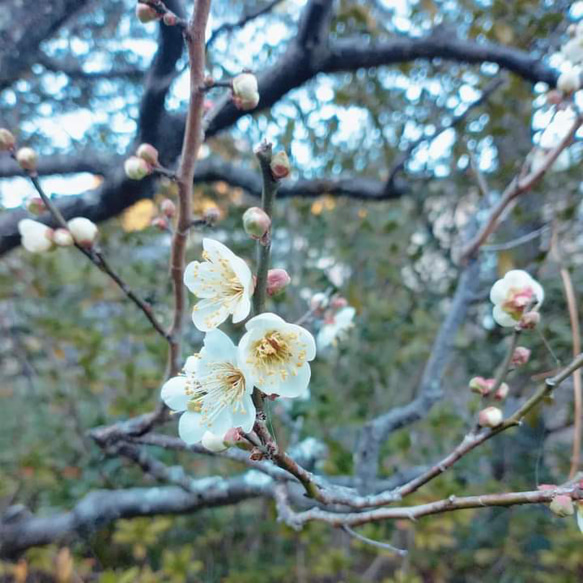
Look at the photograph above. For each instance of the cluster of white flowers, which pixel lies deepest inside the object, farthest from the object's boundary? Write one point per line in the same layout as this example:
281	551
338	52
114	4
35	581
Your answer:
516	298
337	319
215	387
572	51
38	238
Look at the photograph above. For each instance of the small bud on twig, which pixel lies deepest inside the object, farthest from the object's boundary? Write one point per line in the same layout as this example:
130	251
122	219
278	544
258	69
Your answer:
562	505
490	417
170	19
160	223
146	13
83	230
277	281
481	386
280	166
35	205
529	321
211	215
62	238
520	356
501	392
136	168
245	91
7	140
168	208
27	159
256	222
148	153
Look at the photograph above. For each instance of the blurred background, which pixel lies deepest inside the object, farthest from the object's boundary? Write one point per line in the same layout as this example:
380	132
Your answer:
84	82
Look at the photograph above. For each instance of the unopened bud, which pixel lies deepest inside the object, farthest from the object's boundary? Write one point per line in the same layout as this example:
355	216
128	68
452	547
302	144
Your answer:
554	97
338	303
160	223
170	19
148	153
211	215
501	392
481	386
27	158
62	238
35	205
213	442
319	302
529	320
233	435
520	356
277	281
136	168
83	230
490	417
245	91
562	505
146	13
256	222
7	140
569	82
168	208
280	166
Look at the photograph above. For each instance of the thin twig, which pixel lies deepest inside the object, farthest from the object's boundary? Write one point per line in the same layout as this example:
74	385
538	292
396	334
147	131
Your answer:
505	366
516	242
518	186
373	543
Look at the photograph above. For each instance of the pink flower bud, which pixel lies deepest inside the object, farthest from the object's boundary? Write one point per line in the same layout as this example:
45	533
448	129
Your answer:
562	505
170	19
146	13
7	140
280	166
481	386
256	222
136	168
338	303
521	356
168	208
277	280
211	215
490	417
213	442
35	205
501	392
529	320
160	223
245	91
27	158
233	435
83	230
554	97
148	153
62	238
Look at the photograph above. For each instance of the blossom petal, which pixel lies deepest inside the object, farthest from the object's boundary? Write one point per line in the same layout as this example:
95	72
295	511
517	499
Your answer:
502	317
190	427
499	291
204	280
539	292
518	278
174	393
209	313
244	419
305	340
242	309
294	385
191	364
264	322
218	346
221	423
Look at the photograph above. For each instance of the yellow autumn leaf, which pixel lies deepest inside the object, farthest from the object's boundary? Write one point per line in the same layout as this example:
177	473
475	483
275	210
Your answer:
138	216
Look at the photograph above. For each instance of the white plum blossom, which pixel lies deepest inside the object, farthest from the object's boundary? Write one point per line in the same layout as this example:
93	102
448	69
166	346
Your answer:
214	391
277	355
335	327
514	294
36	237
223	283
573	50
569	82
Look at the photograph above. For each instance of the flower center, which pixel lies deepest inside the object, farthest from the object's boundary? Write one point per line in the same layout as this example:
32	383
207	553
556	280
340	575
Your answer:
517	300
271	350
231	287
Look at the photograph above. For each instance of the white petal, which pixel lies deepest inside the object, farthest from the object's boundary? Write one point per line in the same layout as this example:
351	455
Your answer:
264	322
204	280
242	309
174	393
580	516
539	292
293	386
345	316
221	423
191	364
245	419
518	278
208	314
305	340
326	336
499	291
503	318
219	347
190	428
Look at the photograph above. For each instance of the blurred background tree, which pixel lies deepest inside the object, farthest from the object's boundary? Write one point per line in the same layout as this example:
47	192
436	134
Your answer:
390	111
